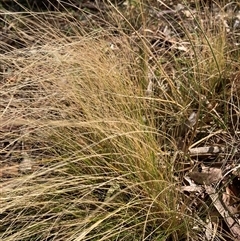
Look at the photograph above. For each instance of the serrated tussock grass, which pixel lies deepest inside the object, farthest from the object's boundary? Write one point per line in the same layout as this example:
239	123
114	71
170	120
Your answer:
100	147
83	119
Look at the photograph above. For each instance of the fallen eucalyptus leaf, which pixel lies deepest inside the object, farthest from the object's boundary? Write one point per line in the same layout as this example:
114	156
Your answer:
208	176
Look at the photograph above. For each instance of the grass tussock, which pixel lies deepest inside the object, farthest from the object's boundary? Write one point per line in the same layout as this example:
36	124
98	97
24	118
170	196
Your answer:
81	115
99	114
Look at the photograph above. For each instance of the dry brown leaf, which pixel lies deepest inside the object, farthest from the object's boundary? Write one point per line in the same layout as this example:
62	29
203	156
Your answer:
191	189
208	175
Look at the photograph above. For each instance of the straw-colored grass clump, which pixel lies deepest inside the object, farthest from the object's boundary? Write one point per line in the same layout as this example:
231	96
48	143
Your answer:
96	173
95	129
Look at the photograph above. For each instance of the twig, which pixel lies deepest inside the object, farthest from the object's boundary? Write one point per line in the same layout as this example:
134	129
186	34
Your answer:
232	224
